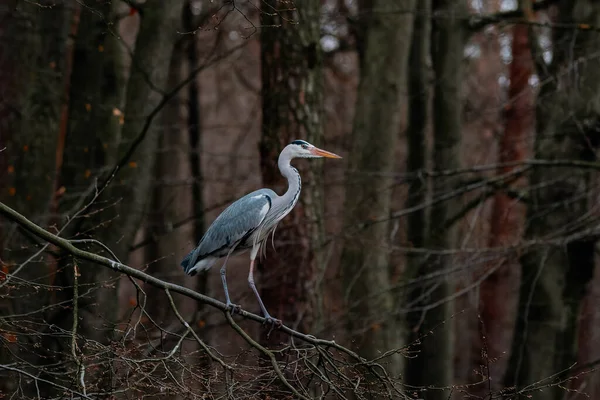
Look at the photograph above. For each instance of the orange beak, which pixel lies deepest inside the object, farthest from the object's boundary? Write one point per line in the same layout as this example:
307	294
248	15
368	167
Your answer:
323	153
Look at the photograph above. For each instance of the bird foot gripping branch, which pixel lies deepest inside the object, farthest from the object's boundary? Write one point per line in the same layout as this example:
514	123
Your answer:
246	223
233	308
274	322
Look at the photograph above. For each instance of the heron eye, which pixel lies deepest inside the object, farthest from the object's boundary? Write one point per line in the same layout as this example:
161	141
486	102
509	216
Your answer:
305	146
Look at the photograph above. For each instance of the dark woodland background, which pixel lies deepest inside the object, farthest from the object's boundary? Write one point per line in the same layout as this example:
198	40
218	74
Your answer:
453	250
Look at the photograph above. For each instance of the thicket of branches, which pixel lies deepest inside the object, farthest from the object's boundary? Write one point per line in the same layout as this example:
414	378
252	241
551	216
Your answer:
451	255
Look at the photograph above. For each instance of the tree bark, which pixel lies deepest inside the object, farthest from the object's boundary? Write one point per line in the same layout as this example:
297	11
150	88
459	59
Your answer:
94	92
149	75
365	254
35	51
555	277
506	227
170	203
292	93
418	119
100	98
434	364
194	121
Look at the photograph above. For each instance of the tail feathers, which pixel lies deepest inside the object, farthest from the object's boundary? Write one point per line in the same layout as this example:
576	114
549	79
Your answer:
185	263
191	265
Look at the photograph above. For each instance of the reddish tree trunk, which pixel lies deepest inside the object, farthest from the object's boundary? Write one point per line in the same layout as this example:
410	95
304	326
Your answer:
507	214
62	132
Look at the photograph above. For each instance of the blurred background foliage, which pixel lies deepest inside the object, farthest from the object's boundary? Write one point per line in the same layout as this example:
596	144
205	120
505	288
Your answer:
455	246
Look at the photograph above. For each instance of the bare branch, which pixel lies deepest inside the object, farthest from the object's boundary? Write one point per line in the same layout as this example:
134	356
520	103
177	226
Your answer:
264	351
200	341
80	366
70	248
38	379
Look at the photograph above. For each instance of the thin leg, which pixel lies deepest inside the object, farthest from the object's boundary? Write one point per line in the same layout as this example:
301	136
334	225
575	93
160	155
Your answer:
230	305
260	302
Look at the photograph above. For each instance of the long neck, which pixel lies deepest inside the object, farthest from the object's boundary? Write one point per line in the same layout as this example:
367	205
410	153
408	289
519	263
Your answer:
291	196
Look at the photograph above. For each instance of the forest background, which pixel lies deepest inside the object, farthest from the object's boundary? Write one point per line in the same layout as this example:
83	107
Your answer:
451	253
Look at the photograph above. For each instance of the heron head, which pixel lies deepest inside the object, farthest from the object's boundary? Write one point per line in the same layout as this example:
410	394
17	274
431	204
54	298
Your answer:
303	149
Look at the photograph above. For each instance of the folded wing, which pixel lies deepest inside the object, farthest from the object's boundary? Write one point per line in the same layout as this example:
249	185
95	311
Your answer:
231	228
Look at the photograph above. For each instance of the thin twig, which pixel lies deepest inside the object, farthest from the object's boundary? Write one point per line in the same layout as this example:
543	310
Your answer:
80	366
37	378
8	277
266	352
200	341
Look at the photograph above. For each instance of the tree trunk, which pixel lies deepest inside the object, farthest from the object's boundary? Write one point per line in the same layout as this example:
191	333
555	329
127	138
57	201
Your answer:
496	310
35	51
98	98
555	276
37	44
416	222
292	93
365	255
94	92
434	364
194	122
170	203
149	76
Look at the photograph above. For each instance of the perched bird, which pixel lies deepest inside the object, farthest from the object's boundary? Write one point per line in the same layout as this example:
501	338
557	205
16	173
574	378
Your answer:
247	222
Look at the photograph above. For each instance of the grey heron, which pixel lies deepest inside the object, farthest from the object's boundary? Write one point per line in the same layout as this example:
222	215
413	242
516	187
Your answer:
246	223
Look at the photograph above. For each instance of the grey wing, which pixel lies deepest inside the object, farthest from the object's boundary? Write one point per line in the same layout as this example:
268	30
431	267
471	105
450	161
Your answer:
236	222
